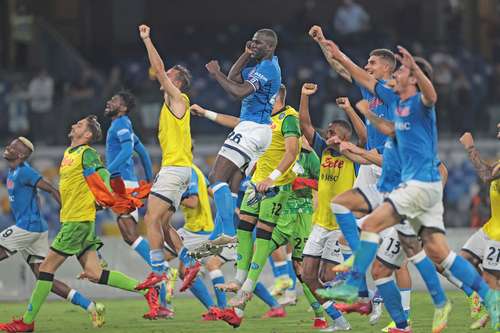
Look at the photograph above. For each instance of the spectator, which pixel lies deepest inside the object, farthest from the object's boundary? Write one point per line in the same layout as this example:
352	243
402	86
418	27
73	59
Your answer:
41	93
350	19
17	106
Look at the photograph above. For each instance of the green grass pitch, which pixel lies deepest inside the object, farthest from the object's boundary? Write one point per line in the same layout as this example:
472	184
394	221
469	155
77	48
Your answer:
126	316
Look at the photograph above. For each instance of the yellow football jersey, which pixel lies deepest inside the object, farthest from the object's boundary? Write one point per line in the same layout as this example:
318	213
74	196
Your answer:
77	201
337	174
282	127
174	135
199	218
492	227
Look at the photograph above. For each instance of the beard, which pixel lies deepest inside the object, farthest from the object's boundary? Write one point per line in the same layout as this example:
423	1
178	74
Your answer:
110	113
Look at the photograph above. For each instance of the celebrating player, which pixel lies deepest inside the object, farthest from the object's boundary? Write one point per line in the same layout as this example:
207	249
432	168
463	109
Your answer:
29	235
83	181
257	87
174	134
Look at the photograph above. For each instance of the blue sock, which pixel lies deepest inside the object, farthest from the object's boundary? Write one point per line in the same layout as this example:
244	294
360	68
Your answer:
163	295
363	288
262	292
346	255
291	274
281	268
141	246
217	227
347	223
467	290
201	292
273	266
363	257
392	301
429	275
466	273
224	203
158	263
218	278
184	258
331	310
78	299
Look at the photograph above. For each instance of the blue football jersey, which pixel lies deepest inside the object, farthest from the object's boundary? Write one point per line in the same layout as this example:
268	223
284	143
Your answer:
21	185
416	135
391	167
120	132
265	78
375	139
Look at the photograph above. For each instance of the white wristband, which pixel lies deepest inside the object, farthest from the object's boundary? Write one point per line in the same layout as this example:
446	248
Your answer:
275	174
211	115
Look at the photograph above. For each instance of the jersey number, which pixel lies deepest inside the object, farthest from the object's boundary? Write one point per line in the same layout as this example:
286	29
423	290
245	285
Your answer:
236	137
298	243
397	246
491	255
276	209
7	233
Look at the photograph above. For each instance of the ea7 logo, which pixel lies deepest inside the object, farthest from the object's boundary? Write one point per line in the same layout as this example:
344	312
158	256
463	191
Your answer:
373	103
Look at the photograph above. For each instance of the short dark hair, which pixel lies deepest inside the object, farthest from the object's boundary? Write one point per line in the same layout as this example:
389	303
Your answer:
386	55
425	66
271	36
94	127
342	123
128	99
184	76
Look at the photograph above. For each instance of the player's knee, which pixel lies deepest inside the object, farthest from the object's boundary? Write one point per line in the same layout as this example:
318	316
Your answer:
341	203
470	258
263	234
380	271
410	244
212	263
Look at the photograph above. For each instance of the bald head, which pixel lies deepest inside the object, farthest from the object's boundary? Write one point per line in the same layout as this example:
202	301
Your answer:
269	37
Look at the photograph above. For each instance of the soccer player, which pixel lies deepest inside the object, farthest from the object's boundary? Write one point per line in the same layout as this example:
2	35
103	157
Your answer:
257	86
380	65
420	199
484	245
174	134
83	181
337	174
29	236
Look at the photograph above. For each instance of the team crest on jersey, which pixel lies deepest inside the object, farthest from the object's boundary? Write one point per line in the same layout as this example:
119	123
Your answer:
10	184
374	102
254	265
282	116
67	161
403	111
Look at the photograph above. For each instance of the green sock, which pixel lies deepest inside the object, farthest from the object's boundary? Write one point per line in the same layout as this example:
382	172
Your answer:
244	251
40	293
121	281
313	302
259	259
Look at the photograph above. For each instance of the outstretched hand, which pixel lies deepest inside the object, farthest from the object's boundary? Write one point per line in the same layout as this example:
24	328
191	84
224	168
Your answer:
198	110
309	89
213	67
467	140
144	31
316	33
405	58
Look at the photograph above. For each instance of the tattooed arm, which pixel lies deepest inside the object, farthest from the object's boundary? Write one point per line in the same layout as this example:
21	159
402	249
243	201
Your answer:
487	172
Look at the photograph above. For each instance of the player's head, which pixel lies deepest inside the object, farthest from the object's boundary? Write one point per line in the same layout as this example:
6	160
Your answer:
86	130
18	149
180	77
121	103
264	43
381	63
280	99
340	128
404	76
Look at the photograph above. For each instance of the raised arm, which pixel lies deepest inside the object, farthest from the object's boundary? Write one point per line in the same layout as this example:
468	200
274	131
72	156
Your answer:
219	118
429	95
235	71
487	172
317	34
357	123
306	126
173	97
360	155
237	89
44	185
357	73
384	126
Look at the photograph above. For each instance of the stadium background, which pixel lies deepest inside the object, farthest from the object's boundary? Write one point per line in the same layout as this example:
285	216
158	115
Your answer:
91	49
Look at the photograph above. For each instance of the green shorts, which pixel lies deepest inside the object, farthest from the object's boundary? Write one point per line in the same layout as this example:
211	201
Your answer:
294	229
269	209
75	238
